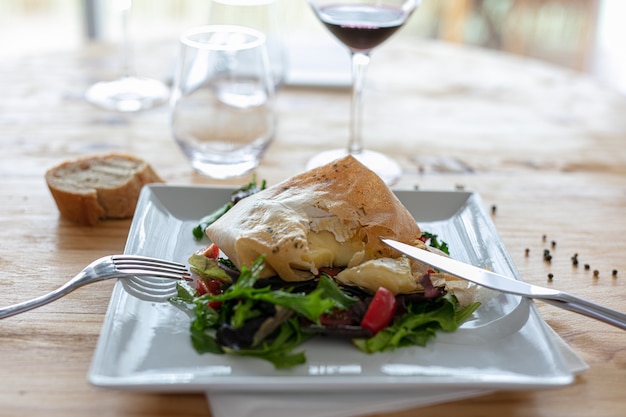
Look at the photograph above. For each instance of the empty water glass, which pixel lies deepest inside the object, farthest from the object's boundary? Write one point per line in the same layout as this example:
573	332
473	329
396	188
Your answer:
263	15
222	105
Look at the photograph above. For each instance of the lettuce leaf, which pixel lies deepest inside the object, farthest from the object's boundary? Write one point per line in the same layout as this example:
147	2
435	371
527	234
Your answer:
278	344
280	350
310	306
238	306
207	267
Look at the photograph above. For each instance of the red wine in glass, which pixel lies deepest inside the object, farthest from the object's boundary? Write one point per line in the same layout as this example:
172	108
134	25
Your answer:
361	27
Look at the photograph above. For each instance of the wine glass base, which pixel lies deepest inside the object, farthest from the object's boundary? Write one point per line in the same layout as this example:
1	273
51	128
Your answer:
128	94
385	167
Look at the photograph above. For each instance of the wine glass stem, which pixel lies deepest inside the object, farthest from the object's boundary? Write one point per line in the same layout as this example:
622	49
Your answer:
124	7
360	61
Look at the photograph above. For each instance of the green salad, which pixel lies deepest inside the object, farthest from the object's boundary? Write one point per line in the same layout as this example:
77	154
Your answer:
233	311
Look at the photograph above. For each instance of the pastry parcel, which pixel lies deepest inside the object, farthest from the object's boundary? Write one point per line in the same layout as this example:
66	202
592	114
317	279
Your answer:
331	216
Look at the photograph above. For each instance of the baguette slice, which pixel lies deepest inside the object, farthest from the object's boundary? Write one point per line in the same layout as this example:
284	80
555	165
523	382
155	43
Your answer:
90	189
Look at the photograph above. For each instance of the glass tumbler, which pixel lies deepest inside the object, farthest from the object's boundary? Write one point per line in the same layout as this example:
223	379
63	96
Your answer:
222	104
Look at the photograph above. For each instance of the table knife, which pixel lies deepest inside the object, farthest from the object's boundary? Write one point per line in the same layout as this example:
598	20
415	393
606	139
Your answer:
509	285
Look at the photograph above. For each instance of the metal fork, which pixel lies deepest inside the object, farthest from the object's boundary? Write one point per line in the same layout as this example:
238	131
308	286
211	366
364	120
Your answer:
149	279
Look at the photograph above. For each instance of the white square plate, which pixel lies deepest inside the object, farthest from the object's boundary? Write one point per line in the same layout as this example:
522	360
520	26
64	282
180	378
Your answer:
146	346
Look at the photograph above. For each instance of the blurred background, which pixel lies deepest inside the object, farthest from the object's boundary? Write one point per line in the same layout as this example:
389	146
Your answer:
583	35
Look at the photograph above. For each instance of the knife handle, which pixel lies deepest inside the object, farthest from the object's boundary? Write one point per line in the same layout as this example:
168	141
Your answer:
587	308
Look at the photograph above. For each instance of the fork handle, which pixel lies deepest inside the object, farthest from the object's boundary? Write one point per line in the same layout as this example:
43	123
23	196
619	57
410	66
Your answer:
580	305
31	304
76	282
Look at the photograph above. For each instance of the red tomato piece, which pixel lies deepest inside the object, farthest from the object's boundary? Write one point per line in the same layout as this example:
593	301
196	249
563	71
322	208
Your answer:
215	305
211	251
213	287
202	287
380	311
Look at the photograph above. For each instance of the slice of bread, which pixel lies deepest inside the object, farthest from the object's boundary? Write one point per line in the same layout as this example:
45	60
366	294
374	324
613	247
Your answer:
90	189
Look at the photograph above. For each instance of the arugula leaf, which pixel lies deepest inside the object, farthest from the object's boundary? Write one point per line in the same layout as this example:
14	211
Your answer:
311	305
331	290
248	276
251	188
203	342
243	311
435	243
206	221
279	351
205	318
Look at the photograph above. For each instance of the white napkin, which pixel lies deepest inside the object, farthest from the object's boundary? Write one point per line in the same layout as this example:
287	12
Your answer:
346	404
350	404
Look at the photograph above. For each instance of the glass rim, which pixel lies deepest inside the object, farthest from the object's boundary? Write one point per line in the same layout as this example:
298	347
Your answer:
257	38
245	2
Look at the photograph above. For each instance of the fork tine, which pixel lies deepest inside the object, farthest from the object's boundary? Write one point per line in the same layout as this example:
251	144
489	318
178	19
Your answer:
160	274
147	291
141	265
152	283
157	271
145	260
150	279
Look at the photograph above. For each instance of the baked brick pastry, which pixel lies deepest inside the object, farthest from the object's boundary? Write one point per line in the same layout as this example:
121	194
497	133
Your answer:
331	216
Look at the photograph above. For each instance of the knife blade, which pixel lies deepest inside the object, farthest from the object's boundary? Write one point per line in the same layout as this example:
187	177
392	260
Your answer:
509	285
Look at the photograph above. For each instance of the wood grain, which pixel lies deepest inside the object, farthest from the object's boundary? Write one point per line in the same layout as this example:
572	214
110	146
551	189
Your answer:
545	146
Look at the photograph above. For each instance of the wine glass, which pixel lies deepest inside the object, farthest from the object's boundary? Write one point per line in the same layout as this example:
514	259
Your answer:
362	25
129	93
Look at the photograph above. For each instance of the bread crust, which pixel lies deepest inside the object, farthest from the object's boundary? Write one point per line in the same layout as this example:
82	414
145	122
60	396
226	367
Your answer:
90	189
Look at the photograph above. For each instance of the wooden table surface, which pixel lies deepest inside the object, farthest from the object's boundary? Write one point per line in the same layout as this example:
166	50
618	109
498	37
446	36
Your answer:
545	146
